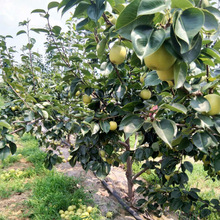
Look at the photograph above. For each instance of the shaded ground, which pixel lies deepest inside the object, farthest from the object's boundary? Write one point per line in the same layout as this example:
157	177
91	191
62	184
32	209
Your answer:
100	195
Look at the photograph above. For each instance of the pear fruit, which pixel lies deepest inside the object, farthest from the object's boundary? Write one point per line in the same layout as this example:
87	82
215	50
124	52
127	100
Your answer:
117	54
160	60
145	94
113	125
214	101
86	99
166	75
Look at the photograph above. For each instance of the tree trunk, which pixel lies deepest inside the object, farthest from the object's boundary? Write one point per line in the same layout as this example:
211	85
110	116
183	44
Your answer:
129	175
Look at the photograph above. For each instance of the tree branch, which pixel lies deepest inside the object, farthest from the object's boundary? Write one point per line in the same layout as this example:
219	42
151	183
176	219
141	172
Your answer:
138	174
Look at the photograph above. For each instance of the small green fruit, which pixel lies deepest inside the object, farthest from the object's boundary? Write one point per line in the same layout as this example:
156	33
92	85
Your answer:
145	94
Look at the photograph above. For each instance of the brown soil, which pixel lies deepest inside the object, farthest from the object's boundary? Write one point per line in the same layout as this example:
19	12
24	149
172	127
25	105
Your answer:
107	202
13	208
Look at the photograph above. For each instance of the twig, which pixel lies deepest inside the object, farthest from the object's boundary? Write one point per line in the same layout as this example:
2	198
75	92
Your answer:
138	174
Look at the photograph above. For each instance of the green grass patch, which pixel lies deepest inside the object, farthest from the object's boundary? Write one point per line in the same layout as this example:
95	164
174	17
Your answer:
53	193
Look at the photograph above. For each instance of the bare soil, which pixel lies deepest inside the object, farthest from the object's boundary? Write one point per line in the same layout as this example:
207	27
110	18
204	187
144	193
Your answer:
13	208
105	200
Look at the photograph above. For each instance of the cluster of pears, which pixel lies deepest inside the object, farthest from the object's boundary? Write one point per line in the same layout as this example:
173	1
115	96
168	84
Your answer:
10	174
163	62
82	212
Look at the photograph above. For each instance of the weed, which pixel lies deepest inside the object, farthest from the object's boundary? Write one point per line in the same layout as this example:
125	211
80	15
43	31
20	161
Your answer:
53	193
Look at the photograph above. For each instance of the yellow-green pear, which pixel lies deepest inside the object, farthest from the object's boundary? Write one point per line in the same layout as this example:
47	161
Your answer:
86	99
145	94
117	54
166	75
160	60
113	125
214	101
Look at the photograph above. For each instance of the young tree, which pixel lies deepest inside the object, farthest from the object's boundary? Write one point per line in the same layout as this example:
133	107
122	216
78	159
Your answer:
127	69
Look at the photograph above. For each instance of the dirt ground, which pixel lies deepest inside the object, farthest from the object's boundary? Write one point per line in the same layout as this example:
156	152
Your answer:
14	205
107	202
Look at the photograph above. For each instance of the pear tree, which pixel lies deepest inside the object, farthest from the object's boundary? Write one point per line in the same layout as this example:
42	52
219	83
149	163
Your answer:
142	88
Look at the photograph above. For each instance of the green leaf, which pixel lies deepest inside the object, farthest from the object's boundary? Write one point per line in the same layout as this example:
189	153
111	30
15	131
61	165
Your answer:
39	11
67	5
21	32
52	5
166	130
38	30
130	124
105	126
95	12
101	47
139	37
13	147
95	127
205	212
5	124
128	15
125	156
192	20
82	23
73	85
183	4
155	41
152	6
130	107
177	107
211	23
120	91
56	29
81	9
29	116
200	104
4	153
188	166
152	79
202	141
180	73
195	50
217	163
2	144
211	52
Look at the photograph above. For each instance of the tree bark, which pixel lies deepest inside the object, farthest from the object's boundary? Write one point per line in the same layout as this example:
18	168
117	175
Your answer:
129	175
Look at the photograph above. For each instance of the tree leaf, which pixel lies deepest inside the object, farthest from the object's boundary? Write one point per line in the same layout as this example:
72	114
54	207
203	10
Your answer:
183	4
5	124
200	104
4	153
202	141
155	41
180	73
152	79
188	166
177	107
52	5
39	11
95	12
130	124
152	6
105	126
128	15
166	130
21	32
139	37
211	23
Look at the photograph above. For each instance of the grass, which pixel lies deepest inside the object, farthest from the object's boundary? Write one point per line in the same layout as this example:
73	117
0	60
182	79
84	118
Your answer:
50	191
197	179
53	193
